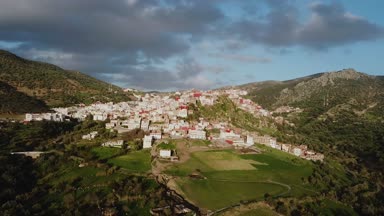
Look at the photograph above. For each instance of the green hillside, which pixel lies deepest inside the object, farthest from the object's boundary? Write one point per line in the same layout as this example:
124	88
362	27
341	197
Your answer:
54	85
225	110
342	117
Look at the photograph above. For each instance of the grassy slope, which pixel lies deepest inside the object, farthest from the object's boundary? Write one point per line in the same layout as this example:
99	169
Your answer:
226	110
106	152
135	162
225	187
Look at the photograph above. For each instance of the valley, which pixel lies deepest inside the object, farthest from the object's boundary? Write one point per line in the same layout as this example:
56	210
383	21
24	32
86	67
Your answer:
302	147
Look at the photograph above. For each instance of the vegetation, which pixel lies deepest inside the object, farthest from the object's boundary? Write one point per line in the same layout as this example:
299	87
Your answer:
14	102
228	178
342	118
51	84
225	110
106	152
169	146
34	136
134	162
72	177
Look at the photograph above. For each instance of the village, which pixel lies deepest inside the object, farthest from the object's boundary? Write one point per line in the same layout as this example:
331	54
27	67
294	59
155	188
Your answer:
165	117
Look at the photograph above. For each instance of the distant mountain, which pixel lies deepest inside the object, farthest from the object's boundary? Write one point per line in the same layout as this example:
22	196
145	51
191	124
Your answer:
54	85
345	88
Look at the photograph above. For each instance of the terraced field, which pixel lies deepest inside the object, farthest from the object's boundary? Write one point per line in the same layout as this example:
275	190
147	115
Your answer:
135	162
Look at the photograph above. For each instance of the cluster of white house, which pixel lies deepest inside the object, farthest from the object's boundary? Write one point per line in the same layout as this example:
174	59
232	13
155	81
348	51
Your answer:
58	117
166	116
248	105
299	151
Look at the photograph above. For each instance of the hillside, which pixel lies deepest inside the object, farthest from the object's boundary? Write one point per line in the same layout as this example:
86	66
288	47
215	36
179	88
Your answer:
326	90
13	101
342	117
54	85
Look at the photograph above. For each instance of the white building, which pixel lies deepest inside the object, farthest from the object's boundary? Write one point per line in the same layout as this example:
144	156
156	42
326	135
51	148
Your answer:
144	124
147	141
250	141
197	134
285	147
165	153
100	116
131	123
28	117
115	143
156	135
228	134
90	136
58	117
183	113
297	151
238	142
109	125
265	140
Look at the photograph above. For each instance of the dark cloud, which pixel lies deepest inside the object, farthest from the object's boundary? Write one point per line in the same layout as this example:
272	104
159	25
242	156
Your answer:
328	26
130	42
331	25
89	26
189	74
242	58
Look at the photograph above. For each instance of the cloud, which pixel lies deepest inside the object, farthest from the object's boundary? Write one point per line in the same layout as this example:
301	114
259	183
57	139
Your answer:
90	26
242	58
329	26
188	74
136	42
117	41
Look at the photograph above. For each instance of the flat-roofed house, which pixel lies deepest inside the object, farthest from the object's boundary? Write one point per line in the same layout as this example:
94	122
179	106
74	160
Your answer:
197	134
147	141
165	153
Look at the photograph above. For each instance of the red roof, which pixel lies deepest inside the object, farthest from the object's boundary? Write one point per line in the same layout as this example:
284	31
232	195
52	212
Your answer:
197	94
184	128
229	141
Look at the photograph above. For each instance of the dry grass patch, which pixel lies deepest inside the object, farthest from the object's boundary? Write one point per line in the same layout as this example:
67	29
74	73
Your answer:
223	160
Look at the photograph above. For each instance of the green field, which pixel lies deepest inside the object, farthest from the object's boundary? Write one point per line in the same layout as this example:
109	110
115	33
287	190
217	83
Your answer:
231	177
214	194
106	152
135	162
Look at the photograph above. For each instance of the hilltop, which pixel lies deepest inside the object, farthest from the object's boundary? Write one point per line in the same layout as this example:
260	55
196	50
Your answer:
324	91
53	85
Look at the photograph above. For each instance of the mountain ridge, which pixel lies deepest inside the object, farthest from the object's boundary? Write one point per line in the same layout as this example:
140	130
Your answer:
328	86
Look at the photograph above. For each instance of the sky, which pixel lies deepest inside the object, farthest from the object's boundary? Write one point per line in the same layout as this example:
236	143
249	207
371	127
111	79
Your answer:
203	44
